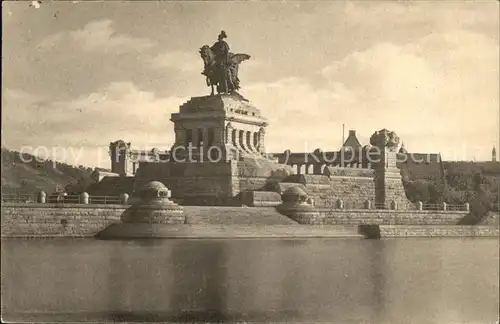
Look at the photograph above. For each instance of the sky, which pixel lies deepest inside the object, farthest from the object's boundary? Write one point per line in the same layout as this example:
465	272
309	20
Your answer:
77	75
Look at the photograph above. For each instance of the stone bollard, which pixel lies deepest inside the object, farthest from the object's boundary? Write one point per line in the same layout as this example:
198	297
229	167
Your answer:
84	198
420	205
368	204
42	197
124	198
444	206
467	207
340	204
394	205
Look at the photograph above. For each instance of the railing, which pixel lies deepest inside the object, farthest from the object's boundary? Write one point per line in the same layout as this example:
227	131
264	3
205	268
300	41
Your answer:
83	198
449	207
19	198
105	200
341	204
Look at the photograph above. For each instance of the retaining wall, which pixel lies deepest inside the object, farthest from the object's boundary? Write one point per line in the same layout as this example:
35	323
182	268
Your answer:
52	220
398	231
327	216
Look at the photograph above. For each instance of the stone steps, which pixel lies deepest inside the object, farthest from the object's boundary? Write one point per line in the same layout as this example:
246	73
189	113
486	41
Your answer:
235	215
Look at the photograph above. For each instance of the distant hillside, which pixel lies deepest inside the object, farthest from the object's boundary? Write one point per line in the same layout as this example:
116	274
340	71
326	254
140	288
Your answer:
453	182
20	177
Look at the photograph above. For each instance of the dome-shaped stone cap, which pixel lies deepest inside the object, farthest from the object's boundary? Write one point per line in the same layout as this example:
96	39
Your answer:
154	185
295	191
154	189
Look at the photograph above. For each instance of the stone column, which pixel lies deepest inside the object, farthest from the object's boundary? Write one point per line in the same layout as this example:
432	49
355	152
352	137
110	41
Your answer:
255	141
180	136
262	136
250	145
204	132
241	140
196	139
228	138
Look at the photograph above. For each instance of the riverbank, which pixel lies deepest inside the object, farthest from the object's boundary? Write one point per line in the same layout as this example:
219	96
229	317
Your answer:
158	231
77	220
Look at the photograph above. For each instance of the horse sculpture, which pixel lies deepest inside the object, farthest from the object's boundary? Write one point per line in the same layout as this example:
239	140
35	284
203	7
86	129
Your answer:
225	78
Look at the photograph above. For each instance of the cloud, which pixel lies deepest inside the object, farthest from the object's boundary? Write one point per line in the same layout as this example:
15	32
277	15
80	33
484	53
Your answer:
98	36
178	60
90	122
439	93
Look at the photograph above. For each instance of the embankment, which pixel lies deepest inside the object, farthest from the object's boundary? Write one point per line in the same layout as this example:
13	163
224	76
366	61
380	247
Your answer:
57	220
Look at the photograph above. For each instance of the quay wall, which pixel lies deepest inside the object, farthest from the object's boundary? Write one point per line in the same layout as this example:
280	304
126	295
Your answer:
407	231
309	215
53	220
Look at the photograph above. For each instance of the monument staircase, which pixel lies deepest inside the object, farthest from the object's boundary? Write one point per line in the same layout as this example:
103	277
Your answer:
235	216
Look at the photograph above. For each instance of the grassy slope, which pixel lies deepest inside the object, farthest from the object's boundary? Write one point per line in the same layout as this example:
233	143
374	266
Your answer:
29	177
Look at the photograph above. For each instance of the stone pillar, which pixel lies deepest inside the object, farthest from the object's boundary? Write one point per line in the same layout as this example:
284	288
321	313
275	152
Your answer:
388	182
84	198
42	197
262	136
420	205
124	198
243	141
228	138
196	138
368	204
255	141
180	136
340	204
444	206
394	205
467	207
248	141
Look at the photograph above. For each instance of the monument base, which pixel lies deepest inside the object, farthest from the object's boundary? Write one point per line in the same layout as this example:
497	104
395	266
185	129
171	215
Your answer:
215	184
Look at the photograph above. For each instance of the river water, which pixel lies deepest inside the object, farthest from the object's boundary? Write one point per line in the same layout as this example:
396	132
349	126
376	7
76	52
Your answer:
312	280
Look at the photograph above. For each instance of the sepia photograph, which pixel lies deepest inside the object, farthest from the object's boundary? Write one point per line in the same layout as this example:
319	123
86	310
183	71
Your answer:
291	161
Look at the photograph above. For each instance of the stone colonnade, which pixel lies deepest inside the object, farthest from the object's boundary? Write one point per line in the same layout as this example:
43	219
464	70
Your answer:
318	168
250	141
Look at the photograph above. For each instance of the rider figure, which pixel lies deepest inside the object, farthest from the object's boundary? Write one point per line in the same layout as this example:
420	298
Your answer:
221	51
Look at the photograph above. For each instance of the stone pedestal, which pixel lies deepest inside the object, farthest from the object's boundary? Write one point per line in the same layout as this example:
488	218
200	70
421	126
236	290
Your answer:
154	207
218	128
297	206
218	153
388	181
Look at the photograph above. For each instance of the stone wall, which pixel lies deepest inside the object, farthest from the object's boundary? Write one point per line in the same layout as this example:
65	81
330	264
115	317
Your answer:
190	183
212	183
325	191
38	220
328	216
438	231
256	174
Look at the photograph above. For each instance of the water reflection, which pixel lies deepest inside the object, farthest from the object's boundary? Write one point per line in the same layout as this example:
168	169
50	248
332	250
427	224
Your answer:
199	281
347	281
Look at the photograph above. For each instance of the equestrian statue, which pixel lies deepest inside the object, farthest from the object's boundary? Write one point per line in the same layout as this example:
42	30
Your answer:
221	66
